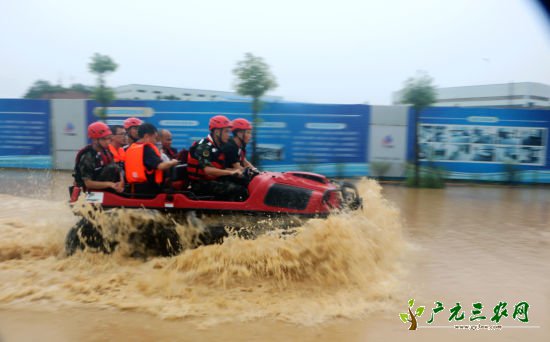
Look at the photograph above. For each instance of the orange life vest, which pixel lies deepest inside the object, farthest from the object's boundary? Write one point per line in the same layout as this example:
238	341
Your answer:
119	154
136	172
194	171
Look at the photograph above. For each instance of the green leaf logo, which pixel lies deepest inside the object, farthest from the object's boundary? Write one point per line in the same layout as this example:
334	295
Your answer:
410	317
404	317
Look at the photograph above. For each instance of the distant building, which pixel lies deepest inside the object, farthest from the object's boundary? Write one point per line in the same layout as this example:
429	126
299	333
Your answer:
151	92
517	95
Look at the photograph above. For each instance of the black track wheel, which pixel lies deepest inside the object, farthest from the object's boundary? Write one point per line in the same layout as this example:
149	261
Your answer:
83	235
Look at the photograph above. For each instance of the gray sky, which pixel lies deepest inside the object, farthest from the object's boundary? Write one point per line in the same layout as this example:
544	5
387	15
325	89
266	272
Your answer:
320	51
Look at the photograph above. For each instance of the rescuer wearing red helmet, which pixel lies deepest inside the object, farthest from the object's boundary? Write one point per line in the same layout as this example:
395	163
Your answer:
131	126
206	164
95	168
235	150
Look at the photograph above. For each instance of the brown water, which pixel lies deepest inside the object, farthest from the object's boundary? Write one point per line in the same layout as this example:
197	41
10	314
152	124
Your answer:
345	278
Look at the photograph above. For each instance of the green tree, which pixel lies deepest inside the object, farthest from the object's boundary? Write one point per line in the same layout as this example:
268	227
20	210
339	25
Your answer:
41	88
420	93
254	79
81	88
102	65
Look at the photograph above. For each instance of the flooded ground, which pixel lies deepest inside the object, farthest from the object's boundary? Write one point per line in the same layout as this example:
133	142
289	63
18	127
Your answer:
347	278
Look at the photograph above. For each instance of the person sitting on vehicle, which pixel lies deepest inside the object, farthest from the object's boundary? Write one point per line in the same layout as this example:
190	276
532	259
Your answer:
235	150
144	166
158	144
95	168
206	164
117	143
182	156
166	140
131	126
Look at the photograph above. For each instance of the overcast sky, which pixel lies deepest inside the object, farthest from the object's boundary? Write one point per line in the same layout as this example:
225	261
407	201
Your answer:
338	51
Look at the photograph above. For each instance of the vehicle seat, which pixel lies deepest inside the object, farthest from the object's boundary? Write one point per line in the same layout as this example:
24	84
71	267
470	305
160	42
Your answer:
139	190
178	177
179	172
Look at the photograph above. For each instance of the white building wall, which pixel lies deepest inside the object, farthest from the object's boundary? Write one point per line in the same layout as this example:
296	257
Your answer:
493	103
521	94
150	92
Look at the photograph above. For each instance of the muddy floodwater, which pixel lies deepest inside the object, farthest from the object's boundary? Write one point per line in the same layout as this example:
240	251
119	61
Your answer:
346	278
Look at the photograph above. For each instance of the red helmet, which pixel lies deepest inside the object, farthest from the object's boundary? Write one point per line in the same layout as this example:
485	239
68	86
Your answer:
131	122
240	124
219	121
98	130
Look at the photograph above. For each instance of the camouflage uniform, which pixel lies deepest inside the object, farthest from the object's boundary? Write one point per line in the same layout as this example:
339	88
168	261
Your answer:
224	188
91	166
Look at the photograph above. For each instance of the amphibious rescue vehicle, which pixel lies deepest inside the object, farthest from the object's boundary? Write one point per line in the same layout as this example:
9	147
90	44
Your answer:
287	198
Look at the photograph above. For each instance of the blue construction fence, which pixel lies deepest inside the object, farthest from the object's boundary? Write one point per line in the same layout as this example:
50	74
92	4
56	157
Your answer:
25	134
486	144
328	139
332	139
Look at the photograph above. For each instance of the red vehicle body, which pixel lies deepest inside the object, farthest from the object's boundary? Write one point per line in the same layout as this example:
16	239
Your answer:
295	193
270	194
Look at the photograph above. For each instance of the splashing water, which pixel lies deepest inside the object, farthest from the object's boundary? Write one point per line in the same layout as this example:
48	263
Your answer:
343	266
